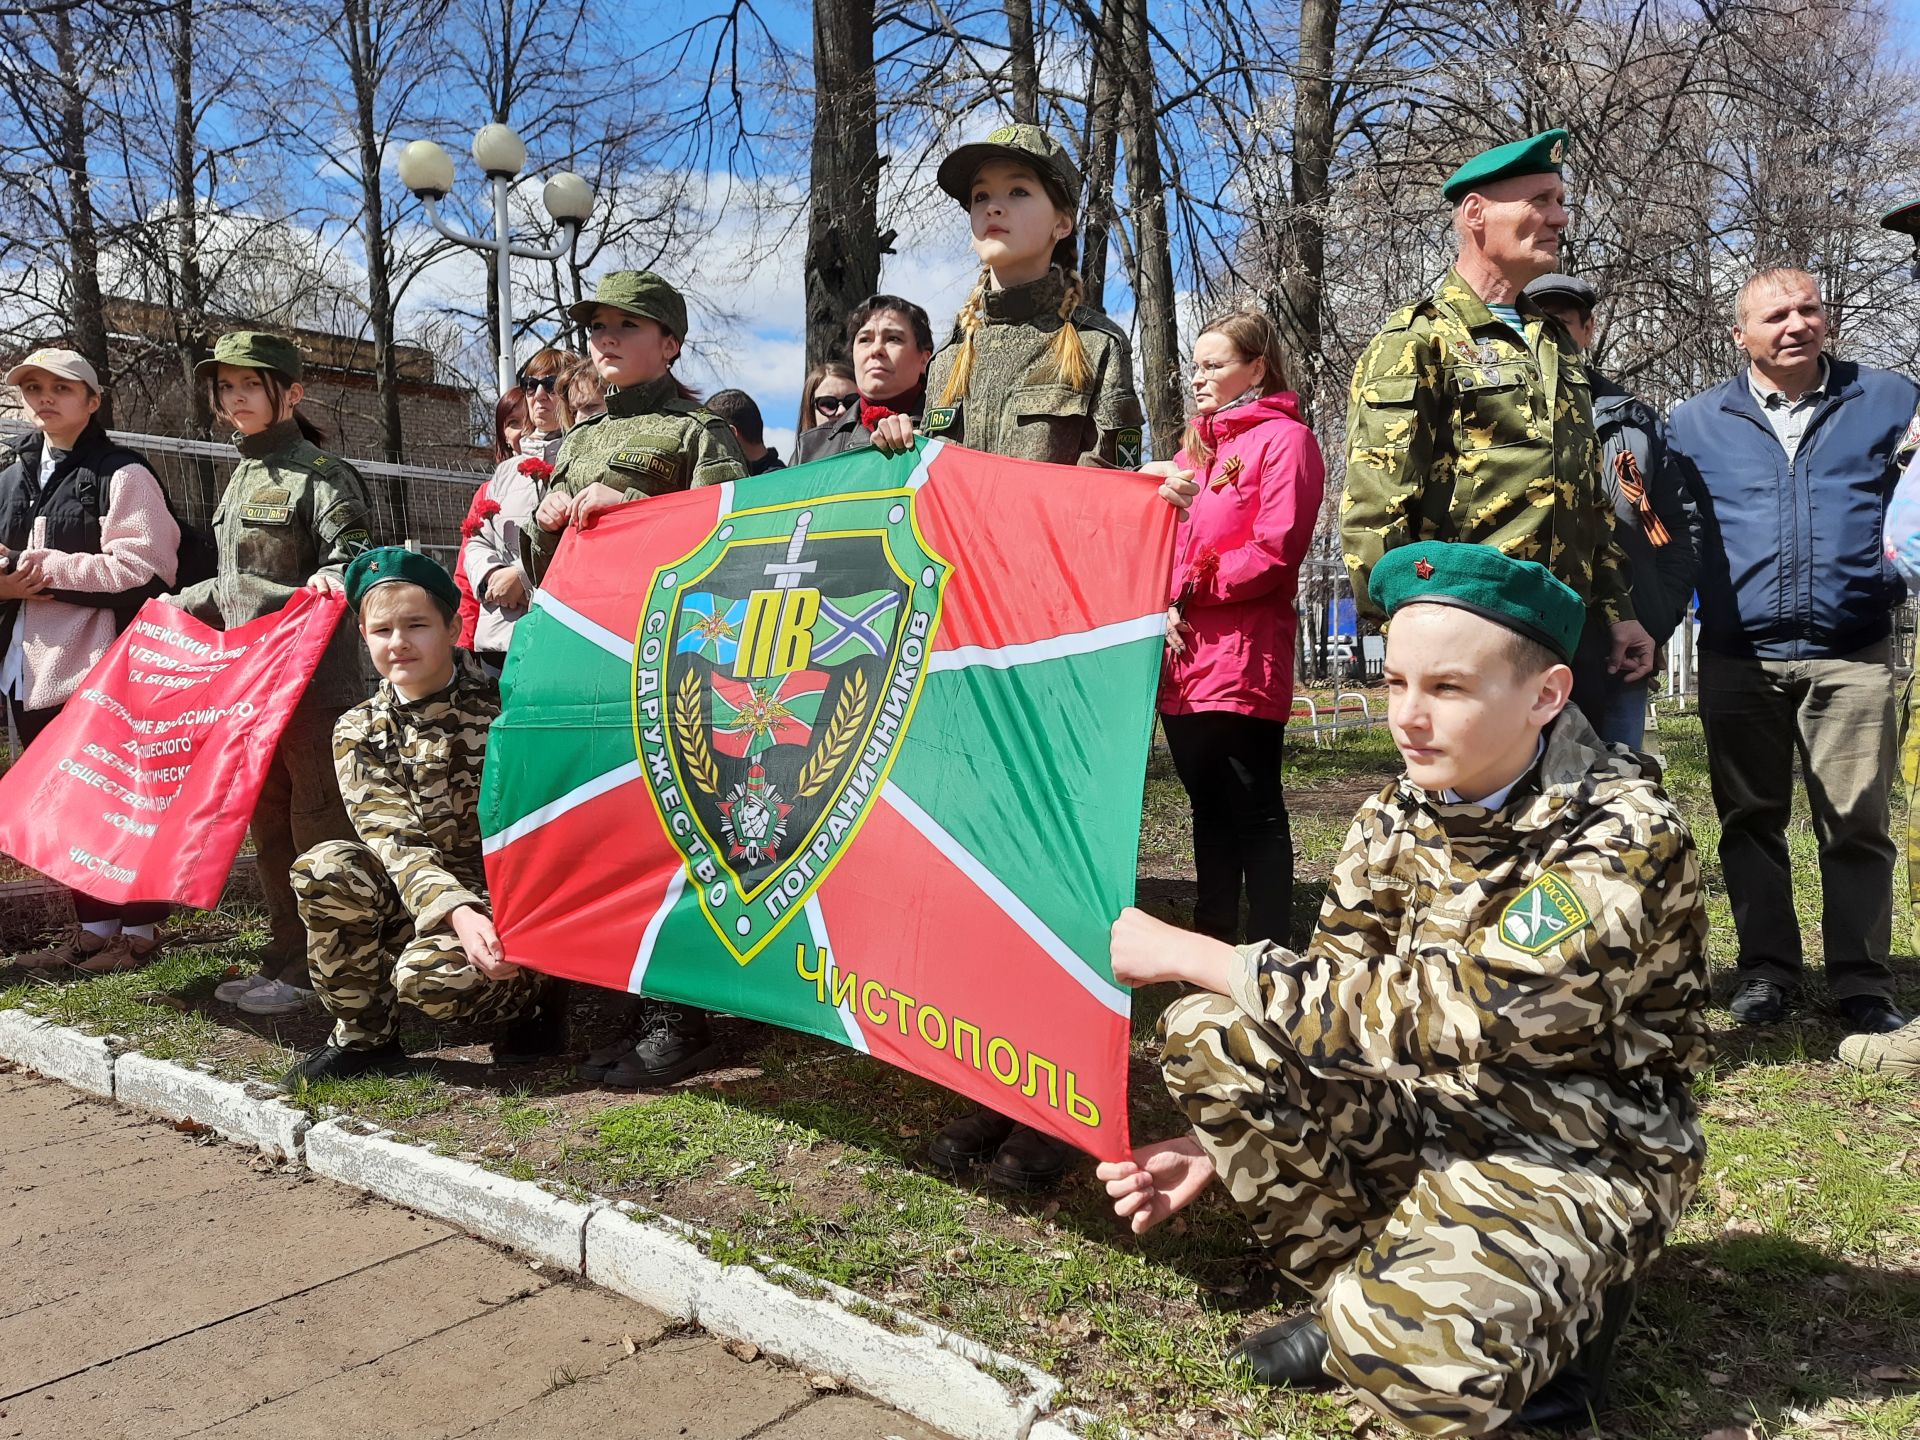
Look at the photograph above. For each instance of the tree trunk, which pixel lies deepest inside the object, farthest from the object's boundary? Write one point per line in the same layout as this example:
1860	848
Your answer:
1103	136
1022	62
374	234
1160	388
83	239
843	246
190	294
1303	277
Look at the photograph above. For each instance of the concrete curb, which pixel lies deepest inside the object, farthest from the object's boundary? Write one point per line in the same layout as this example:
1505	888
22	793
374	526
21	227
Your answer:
252	1115
942	1378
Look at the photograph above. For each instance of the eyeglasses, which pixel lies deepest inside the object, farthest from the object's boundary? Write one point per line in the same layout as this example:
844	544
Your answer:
534	384
833	404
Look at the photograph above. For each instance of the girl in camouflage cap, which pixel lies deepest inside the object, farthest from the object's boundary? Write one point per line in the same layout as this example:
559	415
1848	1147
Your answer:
1030	372
292	518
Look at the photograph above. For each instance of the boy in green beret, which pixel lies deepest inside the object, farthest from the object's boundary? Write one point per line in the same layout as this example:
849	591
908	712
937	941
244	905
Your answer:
400	916
1462	1118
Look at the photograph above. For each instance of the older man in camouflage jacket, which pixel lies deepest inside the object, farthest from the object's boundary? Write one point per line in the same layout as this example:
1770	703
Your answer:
1462	1119
1471	417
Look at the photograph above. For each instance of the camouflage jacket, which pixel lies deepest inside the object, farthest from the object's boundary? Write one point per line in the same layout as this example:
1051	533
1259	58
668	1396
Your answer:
649	442
290	511
1014	405
1535	974
1458	431
410	776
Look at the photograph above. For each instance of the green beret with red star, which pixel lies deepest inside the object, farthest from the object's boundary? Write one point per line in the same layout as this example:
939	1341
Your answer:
1519	594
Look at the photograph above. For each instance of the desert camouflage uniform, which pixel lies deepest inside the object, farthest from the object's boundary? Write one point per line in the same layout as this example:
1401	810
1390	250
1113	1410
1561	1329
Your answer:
290	512
377	911
650	442
1015	407
1458	431
1465	1113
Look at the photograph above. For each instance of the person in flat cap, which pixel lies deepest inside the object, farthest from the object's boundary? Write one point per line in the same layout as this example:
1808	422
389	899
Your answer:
292	517
399	915
1471	415
1652	519
1462	1118
655	437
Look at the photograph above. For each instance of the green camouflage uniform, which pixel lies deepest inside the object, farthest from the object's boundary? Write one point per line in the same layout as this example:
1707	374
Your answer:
377	910
1014	405
650	442
1458	431
290	512
1465	1112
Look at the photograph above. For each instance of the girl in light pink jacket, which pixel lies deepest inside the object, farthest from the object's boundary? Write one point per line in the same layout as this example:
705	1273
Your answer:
84	528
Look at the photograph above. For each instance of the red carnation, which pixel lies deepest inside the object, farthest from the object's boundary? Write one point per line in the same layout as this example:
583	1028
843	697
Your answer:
478	516
536	467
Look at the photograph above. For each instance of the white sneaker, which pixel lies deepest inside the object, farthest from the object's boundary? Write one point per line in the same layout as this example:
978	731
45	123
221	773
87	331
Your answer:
228	992
275	997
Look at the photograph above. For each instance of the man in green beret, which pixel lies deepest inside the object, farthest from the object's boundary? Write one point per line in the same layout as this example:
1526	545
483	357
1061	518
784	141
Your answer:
1462	1118
400	916
1471	416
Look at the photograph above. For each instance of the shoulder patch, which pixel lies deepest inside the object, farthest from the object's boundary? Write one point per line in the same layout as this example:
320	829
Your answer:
635	460
1542	915
941	418
1127	447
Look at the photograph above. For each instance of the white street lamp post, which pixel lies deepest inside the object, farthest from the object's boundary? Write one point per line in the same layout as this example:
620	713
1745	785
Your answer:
427	171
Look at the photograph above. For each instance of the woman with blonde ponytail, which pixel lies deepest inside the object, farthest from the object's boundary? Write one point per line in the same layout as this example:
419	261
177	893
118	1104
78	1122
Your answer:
1031	371
1227	687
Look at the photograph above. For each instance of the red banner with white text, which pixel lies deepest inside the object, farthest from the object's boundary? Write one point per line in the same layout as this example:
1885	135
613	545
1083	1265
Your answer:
142	788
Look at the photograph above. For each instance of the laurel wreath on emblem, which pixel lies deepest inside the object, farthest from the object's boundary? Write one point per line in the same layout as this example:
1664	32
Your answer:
843	731
693	736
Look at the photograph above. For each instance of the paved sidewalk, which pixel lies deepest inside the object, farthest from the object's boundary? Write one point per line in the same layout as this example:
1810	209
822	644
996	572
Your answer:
155	1285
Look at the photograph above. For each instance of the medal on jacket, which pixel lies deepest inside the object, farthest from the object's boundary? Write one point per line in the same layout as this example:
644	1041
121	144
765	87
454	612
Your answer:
1229	471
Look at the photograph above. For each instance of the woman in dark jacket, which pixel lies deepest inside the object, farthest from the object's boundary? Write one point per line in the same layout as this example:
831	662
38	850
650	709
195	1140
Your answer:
892	344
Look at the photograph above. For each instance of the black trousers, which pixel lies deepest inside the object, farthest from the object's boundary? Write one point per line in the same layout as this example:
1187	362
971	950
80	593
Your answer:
29	724
1230	766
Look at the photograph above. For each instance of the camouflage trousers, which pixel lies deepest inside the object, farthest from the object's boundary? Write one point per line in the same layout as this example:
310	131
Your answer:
1451	1287
366	961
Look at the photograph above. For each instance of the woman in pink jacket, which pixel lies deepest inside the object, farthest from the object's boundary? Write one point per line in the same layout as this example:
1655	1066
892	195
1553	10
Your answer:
1228	683
84	533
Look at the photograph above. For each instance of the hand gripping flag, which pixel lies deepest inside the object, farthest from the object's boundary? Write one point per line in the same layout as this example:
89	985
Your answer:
896	803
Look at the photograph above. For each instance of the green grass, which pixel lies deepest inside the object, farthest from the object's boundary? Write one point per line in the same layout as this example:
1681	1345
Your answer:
1795	1274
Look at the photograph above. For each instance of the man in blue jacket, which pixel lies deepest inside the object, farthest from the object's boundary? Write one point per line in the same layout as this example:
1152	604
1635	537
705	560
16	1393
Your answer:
1790	464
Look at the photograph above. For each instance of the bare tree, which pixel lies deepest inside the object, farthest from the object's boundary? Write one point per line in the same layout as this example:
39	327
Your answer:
844	245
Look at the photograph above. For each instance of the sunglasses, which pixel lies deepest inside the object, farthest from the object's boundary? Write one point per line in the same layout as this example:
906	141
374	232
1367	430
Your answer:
534	384
833	404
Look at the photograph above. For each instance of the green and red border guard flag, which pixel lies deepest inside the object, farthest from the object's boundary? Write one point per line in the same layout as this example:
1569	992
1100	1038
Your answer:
855	748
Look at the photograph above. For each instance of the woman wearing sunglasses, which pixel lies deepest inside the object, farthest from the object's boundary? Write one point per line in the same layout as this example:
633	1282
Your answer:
829	391
492	553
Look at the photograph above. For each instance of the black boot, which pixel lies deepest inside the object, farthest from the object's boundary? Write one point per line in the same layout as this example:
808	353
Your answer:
674	1043
969	1140
603	1058
332	1062
1573	1396
1028	1160
538	1033
1292	1353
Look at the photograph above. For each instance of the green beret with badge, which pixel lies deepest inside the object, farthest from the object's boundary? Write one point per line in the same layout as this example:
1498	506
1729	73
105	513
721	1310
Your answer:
397	563
1519	594
255	350
1027	145
1542	154
638	292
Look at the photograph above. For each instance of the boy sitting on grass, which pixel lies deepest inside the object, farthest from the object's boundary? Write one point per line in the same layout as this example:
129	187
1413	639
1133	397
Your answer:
400	917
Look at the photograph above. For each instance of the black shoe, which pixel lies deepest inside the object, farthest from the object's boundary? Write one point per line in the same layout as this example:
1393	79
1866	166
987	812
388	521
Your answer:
673	1044
603	1058
1292	1353
1760	1001
332	1062
1869	1015
1028	1160
969	1140
1573	1397
539	1034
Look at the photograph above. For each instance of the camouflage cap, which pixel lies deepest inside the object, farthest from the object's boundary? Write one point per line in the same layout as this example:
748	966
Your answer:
1904	218
638	292
1518	594
396	562
257	350
1541	154
1022	144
